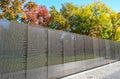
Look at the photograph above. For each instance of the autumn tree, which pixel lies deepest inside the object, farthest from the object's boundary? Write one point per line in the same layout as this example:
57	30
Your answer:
95	19
11	9
36	14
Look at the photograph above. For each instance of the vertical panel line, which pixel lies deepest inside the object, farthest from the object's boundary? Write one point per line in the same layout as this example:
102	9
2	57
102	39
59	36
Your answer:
26	52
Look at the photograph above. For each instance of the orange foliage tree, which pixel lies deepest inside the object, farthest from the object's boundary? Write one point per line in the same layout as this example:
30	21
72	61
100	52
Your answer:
11	9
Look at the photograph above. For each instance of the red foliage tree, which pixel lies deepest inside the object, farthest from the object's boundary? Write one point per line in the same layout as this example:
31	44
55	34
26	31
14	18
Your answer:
36	14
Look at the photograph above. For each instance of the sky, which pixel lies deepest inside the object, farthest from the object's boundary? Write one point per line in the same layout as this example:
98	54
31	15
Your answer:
114	4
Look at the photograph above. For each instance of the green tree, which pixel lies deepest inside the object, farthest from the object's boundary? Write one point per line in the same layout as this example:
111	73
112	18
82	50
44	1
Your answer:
117	36
57	20
92	19
115	20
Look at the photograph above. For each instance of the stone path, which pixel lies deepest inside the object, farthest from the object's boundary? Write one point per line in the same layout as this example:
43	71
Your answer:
111	71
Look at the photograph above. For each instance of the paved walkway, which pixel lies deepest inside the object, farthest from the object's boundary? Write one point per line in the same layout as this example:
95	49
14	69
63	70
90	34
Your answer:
111	71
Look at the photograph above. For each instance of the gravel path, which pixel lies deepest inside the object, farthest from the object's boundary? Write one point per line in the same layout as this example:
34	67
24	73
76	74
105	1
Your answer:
111	71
